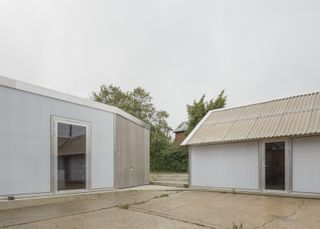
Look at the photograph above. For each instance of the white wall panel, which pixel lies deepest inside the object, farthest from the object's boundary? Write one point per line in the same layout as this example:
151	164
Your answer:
306	165
25	141
226	166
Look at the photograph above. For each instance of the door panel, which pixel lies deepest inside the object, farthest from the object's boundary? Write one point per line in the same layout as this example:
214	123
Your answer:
275	166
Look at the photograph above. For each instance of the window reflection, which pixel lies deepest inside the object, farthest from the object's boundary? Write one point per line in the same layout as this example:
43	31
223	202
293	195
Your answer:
71	157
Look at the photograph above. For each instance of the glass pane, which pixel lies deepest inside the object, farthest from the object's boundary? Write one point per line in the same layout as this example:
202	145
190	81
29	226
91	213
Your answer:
71	157
275	165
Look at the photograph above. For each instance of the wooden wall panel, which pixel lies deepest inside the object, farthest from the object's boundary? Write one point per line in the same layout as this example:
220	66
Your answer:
131	154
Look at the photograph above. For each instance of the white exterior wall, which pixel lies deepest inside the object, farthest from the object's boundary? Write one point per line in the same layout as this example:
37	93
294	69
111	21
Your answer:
306	164
25	141
225	166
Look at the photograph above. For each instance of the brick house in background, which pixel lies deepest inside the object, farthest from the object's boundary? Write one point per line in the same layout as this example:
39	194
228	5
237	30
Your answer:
180	132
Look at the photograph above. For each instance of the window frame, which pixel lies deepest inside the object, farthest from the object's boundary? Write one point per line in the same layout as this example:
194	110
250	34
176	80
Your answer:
287	155
54	141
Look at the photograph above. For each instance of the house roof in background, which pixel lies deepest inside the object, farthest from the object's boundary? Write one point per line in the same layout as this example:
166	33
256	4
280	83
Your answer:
291	116
182	127
22	86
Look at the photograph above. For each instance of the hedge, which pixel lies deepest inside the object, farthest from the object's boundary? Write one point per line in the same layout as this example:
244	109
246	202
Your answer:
173	159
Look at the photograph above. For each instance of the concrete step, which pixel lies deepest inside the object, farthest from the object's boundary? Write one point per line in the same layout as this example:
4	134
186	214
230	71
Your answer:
179	180
170	184
185	179
170	176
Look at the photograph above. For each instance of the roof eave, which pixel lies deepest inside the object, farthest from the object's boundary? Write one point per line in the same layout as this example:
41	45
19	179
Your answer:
23	86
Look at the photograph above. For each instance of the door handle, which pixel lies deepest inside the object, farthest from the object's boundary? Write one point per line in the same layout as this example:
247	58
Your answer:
266	166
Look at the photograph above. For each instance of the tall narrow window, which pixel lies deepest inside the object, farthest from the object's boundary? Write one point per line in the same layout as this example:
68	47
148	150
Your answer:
71	157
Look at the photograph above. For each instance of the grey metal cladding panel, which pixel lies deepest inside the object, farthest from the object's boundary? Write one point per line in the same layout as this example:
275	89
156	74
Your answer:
147	156
123	151
264	127
239	130
293	124
133	150
314	124
119	154
139	160
131	138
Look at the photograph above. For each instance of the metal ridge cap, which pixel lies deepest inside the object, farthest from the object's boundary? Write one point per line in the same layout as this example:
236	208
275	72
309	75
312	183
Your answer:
38	90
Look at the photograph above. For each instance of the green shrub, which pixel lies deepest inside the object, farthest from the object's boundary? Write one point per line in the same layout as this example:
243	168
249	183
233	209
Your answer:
173	158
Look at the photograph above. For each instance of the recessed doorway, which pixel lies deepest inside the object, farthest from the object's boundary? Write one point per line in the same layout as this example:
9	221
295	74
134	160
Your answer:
275	166
71	155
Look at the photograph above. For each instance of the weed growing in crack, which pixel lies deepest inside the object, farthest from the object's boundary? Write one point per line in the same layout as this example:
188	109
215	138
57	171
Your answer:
235	226
164	195
123	206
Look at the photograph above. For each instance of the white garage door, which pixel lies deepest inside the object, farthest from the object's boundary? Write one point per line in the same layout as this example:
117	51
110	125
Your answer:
306	165
226	166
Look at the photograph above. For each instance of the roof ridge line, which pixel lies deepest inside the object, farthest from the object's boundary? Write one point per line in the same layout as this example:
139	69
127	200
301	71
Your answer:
264	102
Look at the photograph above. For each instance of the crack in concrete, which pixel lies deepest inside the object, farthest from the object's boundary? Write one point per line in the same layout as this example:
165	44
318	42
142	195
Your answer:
275	217
149	212
80	213
58	217
154	198
167	216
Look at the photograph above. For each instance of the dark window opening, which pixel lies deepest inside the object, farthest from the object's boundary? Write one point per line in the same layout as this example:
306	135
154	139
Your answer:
275	165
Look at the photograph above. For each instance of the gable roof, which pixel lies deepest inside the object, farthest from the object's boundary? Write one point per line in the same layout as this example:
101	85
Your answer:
292	116
182	127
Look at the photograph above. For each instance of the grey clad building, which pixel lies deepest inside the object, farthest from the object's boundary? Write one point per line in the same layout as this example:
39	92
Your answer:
54	143
271	147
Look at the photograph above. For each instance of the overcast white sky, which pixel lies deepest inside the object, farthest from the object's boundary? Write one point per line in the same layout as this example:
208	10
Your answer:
176	49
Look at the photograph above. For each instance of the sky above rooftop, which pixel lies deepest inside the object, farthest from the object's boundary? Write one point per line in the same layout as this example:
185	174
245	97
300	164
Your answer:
175	49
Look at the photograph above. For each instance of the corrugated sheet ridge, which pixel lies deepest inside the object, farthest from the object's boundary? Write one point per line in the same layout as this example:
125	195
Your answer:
295	113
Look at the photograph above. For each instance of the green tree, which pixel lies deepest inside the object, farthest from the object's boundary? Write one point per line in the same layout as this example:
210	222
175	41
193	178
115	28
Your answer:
200	108
138	103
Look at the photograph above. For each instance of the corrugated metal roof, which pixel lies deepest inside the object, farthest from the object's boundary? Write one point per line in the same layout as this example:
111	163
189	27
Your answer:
292	116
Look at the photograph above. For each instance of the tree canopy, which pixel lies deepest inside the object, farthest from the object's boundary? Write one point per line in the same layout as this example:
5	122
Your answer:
138	103
200	108
165	155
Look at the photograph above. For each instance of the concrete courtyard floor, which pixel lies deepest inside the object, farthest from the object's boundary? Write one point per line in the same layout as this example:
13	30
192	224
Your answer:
168	209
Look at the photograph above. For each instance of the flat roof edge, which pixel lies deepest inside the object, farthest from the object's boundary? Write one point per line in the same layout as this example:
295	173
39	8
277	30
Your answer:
34	89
